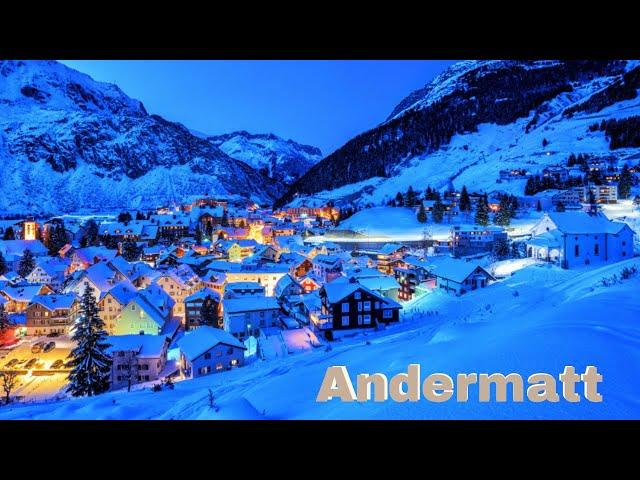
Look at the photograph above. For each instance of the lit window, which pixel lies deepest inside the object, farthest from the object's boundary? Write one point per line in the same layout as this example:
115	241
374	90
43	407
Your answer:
345	307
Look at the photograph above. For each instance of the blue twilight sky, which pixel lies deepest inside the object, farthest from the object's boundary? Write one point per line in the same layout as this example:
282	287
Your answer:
318	102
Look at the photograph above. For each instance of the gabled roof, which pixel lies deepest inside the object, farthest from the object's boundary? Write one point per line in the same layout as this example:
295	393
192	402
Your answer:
149	309
284	283
88	254
389	248
17	247
202	294
249	304
156	296
379	283
54	301
327	260
579	222
123	292
197	342
342	288
101	275
453	269
21	293
146	346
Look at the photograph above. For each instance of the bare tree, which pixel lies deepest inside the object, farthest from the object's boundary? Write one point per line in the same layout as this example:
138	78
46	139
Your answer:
8	382
131	369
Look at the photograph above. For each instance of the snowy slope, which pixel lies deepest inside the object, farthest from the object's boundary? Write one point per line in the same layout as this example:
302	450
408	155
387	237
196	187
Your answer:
488	134
281	159
558	318
68	142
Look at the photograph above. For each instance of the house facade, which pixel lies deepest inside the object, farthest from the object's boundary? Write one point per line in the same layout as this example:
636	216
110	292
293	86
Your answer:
47	314
209	350
246	316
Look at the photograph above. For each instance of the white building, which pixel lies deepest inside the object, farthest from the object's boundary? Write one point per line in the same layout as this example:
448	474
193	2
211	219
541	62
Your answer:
245	316
577	238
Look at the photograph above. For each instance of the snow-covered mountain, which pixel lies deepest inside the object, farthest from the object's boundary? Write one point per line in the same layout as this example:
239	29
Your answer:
68	142
477	118
272	155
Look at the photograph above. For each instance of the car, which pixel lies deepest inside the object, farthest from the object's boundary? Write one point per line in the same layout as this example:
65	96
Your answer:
49	346
29	365
57	364
11	363
37	347
53	335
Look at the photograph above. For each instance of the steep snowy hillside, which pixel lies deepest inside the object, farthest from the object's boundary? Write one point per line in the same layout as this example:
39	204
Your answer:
68	142
476	119
276	157
539	320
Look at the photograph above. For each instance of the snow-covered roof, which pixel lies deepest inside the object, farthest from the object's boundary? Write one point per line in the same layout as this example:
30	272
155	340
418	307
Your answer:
342	287
146	346
389	248
21	293
380	283
249	304
89	254
156	296
54	301
326	260
199	341
101	275
547	239
145	305
120	228
283	283
577	222
452	268
17	247
243	286
202	294
123	292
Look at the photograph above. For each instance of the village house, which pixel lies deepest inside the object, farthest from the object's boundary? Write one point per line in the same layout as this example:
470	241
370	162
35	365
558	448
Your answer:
209	350
241	289
567	198
171	227
53	313
83	258
246	316
216	281
473	239
49	271
457	275
99	277
309	284
601	193
287	286
13	250
140	316
327	267
513	174
299	265
557	172
179	283
388	256
193	308
229	248
113	302
577	238
347	305
266	275
136	359
19	296
411	273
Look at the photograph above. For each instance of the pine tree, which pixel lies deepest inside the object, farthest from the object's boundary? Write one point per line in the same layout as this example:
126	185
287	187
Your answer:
560	207
538	206
500	248
422	214
27	263
399	200
57	239
91	365
124	217
130	251
225	218
411	198
209	312
530	187
625	183
503	217
3	265
438	211
515	205
482	212
140	216
515	250
90	236
198	235
4	318
465	201
9	234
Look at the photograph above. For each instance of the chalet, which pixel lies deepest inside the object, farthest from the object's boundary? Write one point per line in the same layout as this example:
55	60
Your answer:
140	316
216	281
49	272
266	275
287	286
209	350
576	238
458	276
388	257
83	258
243	289
384	285
309	284
266	253
100	278
171	227
299	265
513	174
47	314
19	296
120	232
327	267
113	302
193	308
136	358
207	217
246	316
231	249
348	305
557	172
473	239
411	273
179	283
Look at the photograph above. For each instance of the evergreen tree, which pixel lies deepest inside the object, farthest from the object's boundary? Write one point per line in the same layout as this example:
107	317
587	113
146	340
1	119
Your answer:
591	200
545	142
422	214
625	183
411	199
465	201
140	216
399	200
57	238
515	250
560	207
3	265
225	218
538	206
515	205
124	217
198	235
91	365
500	248
90	236
130	251
530	187
108	241
503	216
209	312
438	211
9	234
27	263
482	212
4	318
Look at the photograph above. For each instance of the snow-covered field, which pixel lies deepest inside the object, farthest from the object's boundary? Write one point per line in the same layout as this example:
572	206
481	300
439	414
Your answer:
538	320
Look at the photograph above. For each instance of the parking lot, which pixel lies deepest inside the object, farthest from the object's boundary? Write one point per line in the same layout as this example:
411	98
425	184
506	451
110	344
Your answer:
42	364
